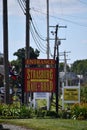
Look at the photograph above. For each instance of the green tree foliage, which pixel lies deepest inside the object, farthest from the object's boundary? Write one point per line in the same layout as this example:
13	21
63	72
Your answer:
61	67
21	54
84	94
79	67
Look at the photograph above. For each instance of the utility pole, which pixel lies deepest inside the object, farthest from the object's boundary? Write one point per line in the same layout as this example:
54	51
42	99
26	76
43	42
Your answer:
27	53
57	75
27	50
56	47
56	33
65	66
56	38
5	43
47	29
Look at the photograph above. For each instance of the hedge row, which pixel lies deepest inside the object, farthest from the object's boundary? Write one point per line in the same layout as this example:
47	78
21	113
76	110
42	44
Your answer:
77	111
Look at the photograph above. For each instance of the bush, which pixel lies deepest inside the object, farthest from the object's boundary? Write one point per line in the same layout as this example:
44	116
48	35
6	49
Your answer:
26	112
15	111
10	111
65	114
84	94
40	113
79	111
52	114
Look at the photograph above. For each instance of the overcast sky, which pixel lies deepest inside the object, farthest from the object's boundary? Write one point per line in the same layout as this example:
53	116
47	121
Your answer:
70	13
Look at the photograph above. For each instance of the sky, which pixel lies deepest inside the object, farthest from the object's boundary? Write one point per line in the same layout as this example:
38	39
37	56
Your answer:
70	13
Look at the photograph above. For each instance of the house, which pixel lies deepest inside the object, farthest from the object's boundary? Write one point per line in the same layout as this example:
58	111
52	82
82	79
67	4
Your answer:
69	78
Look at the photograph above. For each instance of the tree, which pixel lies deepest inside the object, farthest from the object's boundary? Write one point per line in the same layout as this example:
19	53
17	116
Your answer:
21	54
79	67
15	67
61	67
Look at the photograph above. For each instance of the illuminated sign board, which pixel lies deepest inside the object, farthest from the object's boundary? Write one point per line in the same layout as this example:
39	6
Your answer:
40	79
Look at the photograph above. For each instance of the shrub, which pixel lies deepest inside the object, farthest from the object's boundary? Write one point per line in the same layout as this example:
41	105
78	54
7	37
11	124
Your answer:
40	113
52	114
79	111
9	111
65	114
15	111
26	112
84	94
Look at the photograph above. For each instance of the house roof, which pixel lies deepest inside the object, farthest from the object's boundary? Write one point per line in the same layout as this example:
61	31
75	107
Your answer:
70	75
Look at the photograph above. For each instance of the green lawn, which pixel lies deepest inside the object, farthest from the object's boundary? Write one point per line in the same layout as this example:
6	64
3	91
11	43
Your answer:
48	124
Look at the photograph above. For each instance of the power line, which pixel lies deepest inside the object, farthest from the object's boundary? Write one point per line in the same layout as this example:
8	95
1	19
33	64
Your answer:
43	38
50	52
67	20
21	5
37	41
39	37
41	47
82	2
37	32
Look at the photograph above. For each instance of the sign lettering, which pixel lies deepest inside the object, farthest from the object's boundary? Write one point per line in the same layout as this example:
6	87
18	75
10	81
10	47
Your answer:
40	79
40	61
71	94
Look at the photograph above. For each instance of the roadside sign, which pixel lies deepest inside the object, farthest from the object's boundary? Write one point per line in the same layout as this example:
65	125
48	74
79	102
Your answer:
40	62
71	94
40	79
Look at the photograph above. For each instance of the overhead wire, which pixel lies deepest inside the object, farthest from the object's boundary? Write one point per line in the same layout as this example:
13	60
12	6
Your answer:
82	2
38	44
37	32
63	19
20	2
50	52
33	30
39	38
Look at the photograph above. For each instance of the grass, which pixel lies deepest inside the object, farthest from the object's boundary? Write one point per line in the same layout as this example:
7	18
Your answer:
48	124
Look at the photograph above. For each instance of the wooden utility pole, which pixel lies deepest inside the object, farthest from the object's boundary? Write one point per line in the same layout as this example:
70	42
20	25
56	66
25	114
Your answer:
57	80
56	33
5	44
65	66
47	29
56	47
27	53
